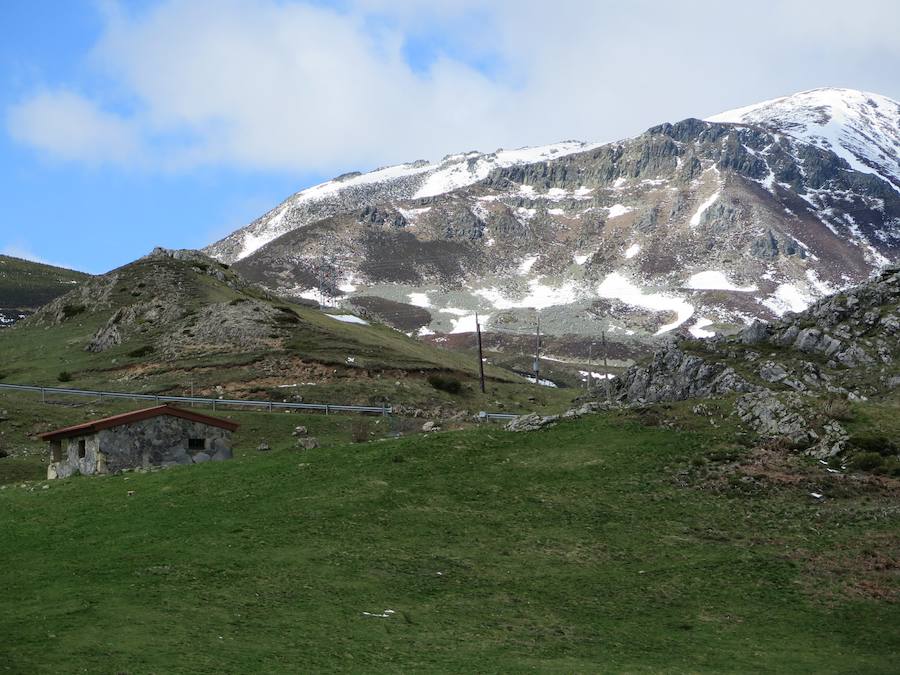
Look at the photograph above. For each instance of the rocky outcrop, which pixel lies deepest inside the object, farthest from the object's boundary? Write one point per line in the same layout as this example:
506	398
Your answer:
857	328
135	318
846	345
532	422
91	295
774	417
673	375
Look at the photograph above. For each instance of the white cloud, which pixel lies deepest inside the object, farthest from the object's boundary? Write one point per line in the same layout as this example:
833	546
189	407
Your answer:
272	84
66	125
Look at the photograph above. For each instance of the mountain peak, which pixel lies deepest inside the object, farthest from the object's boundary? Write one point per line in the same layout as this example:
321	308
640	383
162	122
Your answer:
861	127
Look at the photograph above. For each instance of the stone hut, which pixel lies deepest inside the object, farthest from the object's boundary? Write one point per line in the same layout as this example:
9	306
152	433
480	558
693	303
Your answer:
159	436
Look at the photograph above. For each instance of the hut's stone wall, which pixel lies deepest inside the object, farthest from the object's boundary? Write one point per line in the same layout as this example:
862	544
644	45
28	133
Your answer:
158	441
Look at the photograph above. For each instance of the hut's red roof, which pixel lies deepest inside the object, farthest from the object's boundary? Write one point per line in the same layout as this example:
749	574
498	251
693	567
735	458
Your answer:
136	416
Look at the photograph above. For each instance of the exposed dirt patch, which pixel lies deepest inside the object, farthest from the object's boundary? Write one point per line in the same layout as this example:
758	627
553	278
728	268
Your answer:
774	467
868	568
413	260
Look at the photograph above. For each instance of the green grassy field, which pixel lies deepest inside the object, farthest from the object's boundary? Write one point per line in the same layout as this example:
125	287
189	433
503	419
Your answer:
600	545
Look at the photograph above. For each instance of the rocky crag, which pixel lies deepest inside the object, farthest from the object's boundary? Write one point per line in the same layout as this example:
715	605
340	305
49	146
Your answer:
152	296
784	374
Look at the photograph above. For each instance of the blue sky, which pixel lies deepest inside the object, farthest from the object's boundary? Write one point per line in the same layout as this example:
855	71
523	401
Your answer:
127	125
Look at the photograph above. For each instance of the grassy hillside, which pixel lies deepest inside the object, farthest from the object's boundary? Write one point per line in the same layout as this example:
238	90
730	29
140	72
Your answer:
183	323
605	544
26	285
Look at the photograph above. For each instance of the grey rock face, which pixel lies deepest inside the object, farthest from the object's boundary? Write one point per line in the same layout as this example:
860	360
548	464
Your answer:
106	337
308	443
833	441
532	422
772	372
673	375
771	417
755	333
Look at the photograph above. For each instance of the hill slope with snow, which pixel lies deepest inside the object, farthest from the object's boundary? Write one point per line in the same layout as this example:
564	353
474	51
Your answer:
697	226
403	181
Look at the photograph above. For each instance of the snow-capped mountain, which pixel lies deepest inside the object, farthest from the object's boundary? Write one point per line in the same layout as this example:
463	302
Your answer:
860	127
403	181
695	226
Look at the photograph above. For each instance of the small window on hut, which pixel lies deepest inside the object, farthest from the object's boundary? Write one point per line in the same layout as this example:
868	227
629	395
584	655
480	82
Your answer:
196	444
82	448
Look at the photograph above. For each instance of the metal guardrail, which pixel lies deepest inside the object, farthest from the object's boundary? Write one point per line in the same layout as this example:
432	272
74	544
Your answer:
497	416
327	408
269	405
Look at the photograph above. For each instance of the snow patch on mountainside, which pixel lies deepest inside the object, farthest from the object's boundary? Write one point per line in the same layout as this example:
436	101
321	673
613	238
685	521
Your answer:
459	171
617	210
420	300
539	296
698	329
788	298
714	280
617	287
695	219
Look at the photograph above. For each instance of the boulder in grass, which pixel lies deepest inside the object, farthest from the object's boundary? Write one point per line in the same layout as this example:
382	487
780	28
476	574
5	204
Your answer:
308	443
222	455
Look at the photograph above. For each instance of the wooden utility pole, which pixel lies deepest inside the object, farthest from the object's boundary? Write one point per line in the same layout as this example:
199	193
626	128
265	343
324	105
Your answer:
605	368
537	352
588	381
480	355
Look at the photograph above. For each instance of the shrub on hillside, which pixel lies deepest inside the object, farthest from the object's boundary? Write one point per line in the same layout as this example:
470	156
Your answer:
876	443
838	409
72	310
64	376
141	351
287	316
449	384
867	461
